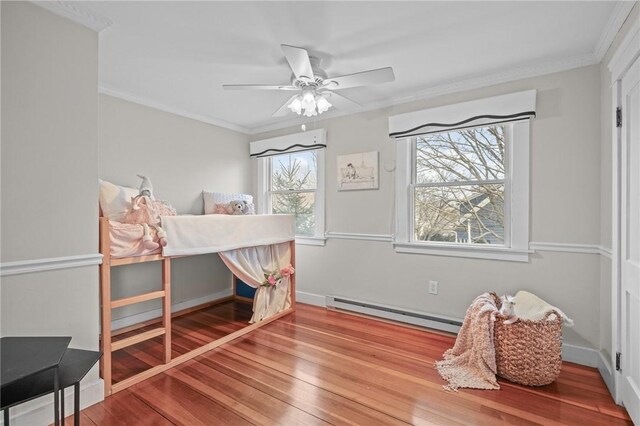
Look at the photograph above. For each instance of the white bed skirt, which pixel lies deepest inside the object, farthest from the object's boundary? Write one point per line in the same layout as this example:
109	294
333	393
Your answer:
213	233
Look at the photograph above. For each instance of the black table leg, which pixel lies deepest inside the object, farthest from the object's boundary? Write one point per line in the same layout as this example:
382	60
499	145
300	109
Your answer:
62	404
76	404
6	417
56	397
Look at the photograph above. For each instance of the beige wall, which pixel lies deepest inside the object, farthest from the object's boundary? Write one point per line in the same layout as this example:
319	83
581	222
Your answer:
49	172
565	208
182	157
606	111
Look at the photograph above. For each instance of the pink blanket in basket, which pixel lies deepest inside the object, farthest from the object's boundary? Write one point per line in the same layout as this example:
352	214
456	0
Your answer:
471	363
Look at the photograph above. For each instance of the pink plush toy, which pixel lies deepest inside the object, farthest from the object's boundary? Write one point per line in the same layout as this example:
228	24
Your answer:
146	211
508	309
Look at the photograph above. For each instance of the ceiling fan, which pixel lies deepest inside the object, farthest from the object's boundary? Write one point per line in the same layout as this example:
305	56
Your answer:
316	91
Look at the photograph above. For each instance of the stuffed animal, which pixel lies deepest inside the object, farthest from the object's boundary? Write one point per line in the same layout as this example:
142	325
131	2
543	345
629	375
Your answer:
508	309
238	207
146	211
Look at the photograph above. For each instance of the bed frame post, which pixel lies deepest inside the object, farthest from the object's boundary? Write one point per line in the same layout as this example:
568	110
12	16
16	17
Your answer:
166	308
292	281
105	305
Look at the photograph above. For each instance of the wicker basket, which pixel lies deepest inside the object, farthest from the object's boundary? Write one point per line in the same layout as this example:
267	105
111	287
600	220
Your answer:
528	352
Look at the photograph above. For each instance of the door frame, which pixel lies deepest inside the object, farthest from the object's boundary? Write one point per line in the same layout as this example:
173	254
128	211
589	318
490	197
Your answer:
625	56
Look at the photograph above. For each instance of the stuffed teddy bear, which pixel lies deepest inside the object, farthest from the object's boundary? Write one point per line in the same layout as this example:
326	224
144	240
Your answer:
237	207
146	211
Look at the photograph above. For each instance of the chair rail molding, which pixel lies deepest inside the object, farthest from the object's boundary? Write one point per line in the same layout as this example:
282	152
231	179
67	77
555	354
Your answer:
541	246
49	264
571	248
359	236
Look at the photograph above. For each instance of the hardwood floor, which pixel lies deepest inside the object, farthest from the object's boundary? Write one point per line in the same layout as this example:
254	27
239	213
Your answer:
324	367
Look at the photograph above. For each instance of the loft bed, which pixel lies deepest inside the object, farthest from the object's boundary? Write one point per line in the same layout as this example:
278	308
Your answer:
248	245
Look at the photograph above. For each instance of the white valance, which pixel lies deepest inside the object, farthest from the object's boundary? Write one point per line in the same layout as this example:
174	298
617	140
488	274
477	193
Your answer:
498	109
304	141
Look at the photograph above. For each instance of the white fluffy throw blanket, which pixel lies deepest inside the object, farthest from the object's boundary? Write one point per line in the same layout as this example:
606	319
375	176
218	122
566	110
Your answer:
528	306
471	363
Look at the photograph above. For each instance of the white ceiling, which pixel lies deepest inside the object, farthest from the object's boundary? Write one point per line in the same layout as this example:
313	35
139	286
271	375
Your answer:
176	55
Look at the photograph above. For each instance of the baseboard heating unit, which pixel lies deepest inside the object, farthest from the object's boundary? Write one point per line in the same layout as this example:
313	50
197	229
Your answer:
422	319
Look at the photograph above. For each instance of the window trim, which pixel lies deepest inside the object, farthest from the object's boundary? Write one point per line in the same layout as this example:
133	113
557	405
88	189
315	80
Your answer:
516	204
264	200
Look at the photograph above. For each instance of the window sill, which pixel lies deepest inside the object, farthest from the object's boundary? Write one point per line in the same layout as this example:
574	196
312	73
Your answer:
311	241
492	253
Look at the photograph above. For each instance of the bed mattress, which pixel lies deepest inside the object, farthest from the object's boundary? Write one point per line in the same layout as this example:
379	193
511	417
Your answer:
191	235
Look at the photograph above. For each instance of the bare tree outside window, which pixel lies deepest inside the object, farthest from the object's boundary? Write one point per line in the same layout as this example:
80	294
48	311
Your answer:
459	186
293	188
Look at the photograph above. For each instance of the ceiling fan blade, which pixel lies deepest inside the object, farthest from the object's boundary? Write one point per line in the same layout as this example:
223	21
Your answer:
363	78
284	109
299	62
257	87
342	103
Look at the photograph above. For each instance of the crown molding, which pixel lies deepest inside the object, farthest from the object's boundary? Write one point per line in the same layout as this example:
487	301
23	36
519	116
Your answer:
177	111
626	53
513	74
72	11
618	16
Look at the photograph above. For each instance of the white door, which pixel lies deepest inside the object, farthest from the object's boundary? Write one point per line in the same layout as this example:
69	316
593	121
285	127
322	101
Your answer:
630	241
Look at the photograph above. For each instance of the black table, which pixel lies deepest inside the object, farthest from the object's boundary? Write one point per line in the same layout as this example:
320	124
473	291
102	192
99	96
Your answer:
22	357
35	366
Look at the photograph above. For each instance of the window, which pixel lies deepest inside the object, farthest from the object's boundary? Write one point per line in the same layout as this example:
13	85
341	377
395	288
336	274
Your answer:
464	191
291	181
459	185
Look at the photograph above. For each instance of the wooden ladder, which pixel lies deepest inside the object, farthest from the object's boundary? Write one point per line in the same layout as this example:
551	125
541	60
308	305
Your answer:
107	304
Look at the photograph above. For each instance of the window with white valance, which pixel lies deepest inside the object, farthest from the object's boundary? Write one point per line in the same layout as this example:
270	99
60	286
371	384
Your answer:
291	180
462	178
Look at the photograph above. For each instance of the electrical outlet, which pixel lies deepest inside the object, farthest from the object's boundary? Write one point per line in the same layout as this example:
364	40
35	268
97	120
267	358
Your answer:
433	287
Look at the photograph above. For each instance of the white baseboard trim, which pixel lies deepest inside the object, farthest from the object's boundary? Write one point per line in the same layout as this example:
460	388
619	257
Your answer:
580	355
570	352
49	264
606	371
311	299
40	411
157	313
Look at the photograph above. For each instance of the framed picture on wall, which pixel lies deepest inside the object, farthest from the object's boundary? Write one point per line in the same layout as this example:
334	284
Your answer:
358	171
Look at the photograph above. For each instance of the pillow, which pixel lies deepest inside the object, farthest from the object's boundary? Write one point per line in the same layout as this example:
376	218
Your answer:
213	198
115	200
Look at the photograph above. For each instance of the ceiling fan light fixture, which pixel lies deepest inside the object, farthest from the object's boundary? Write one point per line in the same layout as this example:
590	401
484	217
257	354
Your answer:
296	105
307	96
309	103
314	85
322	104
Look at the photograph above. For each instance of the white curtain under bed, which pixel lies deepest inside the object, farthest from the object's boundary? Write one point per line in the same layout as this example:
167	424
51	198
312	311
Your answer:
251	246
250	264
